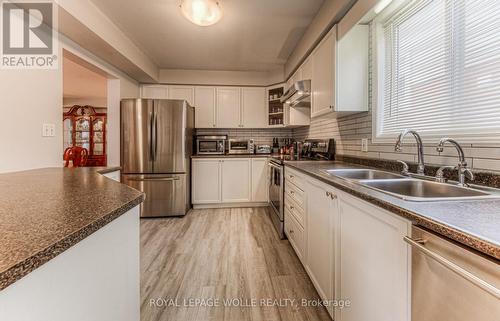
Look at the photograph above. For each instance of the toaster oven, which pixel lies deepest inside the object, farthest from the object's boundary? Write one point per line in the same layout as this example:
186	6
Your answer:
240	146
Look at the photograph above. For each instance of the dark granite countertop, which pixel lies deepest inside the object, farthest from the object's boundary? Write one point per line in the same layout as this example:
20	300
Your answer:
44	212
232	156
474	223
105	170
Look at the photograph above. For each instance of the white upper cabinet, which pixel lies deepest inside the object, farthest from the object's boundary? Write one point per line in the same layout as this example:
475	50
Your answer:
218	107
253	107
338	70
306	69
323	72
182	92
205	105
228	107
154	91
352	70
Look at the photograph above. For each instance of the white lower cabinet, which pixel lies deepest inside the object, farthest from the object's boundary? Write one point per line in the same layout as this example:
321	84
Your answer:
374	269
352	250
260	190
218	181
322	212
206	181
236	183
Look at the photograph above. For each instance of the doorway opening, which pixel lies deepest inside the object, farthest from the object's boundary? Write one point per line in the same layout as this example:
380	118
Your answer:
85	113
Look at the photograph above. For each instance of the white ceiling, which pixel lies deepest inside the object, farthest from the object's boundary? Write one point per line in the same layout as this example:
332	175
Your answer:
82	83
256	35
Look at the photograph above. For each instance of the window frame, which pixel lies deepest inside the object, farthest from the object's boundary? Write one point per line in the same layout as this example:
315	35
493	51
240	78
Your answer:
377	61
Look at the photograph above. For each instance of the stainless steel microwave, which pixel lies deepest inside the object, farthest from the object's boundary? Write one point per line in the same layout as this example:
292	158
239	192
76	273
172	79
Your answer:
211	145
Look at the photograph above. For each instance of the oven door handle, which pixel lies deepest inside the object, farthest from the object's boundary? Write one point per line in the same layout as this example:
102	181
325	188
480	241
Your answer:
275	166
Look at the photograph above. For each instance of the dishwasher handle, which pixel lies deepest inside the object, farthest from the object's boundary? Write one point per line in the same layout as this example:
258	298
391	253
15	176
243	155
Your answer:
418	244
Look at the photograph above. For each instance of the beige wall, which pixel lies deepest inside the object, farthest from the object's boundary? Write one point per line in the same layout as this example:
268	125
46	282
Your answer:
212	77
330	12
31	98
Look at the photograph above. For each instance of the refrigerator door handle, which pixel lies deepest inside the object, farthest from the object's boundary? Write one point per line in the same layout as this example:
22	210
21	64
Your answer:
154	179
156	135
150	138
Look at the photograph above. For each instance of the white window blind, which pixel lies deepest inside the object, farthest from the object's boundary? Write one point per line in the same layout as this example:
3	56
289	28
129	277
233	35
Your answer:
442	69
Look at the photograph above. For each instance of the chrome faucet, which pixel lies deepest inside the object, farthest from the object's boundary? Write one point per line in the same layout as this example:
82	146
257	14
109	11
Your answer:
420	146
463	171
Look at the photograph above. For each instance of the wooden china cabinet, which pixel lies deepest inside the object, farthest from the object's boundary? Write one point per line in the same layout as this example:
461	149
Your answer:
84	127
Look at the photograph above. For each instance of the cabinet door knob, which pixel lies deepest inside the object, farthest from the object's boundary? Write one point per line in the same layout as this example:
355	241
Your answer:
291	176
291	231
328	194
291	207
292	192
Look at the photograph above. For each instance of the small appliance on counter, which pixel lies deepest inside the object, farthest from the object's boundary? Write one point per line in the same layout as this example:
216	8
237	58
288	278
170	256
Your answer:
240	146
211	144
263	149
312	150
319	149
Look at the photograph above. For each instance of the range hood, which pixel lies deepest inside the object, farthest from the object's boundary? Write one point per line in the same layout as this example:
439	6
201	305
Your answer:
298	95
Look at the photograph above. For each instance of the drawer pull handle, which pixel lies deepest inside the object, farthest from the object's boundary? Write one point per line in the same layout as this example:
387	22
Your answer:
331	195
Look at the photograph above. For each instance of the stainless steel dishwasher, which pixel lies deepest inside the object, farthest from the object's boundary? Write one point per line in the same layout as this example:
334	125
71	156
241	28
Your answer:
451	282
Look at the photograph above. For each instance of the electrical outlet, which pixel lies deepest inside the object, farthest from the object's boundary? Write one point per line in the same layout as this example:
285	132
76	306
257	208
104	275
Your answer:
48	130
364	145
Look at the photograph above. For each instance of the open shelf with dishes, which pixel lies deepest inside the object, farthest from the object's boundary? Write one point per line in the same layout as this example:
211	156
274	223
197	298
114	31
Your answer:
276	115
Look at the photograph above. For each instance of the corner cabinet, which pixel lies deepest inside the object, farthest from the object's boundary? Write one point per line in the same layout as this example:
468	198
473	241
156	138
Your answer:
224	181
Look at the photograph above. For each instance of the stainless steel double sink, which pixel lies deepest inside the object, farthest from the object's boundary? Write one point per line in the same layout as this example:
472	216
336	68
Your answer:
412	189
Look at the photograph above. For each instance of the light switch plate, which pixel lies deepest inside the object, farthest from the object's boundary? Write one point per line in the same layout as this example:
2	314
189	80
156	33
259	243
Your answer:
364	145
48	130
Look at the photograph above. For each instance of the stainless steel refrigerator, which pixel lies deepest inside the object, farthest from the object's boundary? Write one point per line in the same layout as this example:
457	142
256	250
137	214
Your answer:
156	146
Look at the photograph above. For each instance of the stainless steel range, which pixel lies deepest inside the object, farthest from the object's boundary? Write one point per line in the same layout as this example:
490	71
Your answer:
313	150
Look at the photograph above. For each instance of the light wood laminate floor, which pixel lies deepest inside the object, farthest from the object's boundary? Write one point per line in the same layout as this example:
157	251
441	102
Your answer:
221	254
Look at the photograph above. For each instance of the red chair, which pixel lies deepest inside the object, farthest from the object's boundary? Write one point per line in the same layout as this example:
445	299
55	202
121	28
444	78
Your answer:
78	156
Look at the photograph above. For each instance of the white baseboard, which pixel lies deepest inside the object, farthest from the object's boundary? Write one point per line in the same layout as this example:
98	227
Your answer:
229	205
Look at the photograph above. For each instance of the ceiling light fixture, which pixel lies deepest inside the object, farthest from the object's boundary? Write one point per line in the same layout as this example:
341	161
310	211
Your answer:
201	12
381	6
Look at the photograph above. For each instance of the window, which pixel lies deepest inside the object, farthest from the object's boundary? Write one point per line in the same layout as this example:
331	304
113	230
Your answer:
438	69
